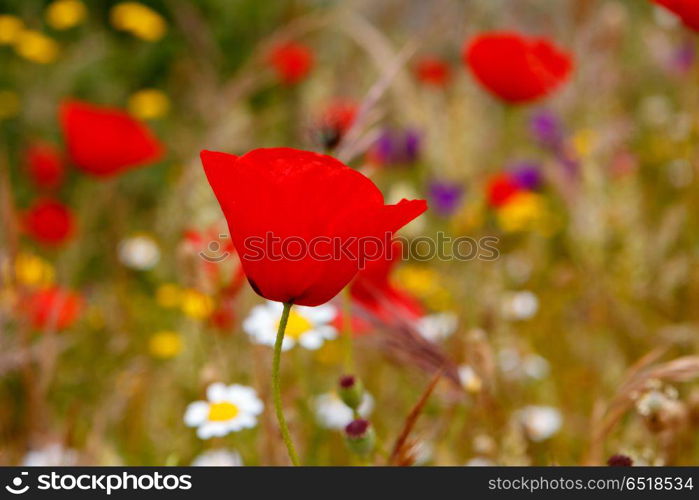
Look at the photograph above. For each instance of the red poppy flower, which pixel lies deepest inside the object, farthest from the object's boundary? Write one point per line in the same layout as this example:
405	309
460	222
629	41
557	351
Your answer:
687	10
302	223
432	71
49	222
52	308
292	62
106	141
501	189
45	165
336	119
373	290
516	68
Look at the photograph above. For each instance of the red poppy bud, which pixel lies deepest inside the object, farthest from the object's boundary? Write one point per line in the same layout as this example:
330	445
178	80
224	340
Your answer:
351	391
432	71
292	62
516	68
501	189
49	222
687	10
52	308
44	165
360	437
301	222
106	141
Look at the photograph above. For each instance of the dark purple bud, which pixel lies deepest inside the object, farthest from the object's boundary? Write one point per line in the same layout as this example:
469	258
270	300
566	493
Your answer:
357	428
619	461
347	381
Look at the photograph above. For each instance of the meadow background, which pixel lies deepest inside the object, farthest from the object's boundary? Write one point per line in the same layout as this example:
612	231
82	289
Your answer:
577	343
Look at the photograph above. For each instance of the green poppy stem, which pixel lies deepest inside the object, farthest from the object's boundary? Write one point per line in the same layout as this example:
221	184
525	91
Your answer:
276	389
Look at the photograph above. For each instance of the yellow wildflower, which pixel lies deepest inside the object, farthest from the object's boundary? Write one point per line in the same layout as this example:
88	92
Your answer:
9	103
33	271
36	47
426	284
418	280
139	20
168	295
10	28
165	345
584	142
196	304
149	104
65	14
525	212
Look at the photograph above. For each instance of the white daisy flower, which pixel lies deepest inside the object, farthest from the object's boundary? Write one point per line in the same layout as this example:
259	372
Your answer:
479	462
520	305
139	252
540	422
51	455
332	413
228	409
218	458
307	326
436	327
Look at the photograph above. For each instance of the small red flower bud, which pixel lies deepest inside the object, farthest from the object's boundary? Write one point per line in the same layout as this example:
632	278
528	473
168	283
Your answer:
347	381
52	308
619	461
292	62
44	165
49	222
432	71
357	428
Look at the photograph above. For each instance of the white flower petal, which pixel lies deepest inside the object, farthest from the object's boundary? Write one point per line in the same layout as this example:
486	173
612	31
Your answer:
217	392
212	429
245	398
311	340
327	332
218	458
196	413
318	315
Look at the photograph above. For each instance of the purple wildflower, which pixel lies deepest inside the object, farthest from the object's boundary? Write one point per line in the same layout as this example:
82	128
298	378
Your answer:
445	197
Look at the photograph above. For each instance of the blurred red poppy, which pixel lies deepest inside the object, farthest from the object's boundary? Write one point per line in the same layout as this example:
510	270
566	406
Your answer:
49	222
501	189
105	141
321	214
687	10
516	68
292	62
52	308
336	119
44	163
373	290
433	71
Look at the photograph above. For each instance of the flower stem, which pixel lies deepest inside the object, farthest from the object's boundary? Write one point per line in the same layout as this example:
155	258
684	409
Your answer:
276	387
347	330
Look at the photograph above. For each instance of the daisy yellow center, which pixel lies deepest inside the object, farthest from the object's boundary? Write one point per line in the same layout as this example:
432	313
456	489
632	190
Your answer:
297	325
220	412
